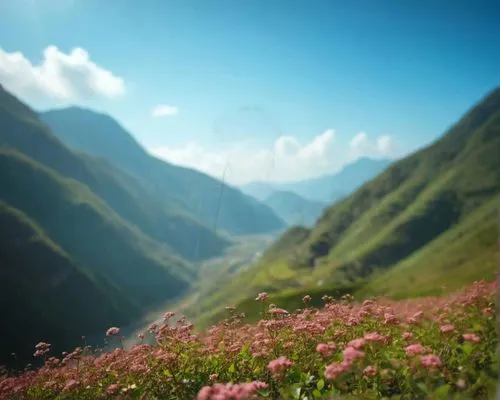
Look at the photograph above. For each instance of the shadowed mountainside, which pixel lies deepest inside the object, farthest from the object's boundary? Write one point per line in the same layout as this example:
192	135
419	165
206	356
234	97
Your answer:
216	204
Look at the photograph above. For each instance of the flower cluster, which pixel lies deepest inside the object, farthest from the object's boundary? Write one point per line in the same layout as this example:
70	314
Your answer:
375	349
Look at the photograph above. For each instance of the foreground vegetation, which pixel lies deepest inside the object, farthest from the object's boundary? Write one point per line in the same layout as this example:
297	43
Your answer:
419	348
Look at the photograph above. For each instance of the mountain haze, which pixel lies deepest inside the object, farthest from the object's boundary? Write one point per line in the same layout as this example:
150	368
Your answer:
294	209
327	188
217	205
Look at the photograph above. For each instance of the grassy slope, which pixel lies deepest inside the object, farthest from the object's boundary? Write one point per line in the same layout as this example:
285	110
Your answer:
205	197
164	221
92	233
430	212
294	209
50	296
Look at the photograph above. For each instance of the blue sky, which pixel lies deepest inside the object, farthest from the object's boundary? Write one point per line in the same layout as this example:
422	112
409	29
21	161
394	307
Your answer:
280	90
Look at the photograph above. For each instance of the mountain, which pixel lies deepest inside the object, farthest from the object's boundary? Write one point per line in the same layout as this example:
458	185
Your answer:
327	188
427	224
217	205
82	246
294	209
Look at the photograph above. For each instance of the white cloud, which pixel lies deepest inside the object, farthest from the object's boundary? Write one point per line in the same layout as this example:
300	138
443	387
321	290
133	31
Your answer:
286	160
72	76
362	146
164	110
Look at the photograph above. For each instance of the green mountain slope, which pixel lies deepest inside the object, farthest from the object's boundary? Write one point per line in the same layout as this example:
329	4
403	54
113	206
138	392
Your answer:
294	209
49	296
164	221
91	232
427	220
218	205
78	236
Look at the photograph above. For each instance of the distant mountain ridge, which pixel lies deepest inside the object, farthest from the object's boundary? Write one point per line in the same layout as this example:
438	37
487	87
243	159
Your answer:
216	204
326	188
294	209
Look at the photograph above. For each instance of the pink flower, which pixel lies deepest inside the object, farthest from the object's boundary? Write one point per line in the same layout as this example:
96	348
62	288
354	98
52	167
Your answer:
113	331
447	328
306	299
278	311
430	361
262	296
414	349
168	315
326	350
357	343
376	337
471	337
351	354
212	377
370	370
334	370
390	318
71	385
279	365
407	335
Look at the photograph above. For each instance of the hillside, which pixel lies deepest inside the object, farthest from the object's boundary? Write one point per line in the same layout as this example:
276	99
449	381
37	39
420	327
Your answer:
167	221
217	205
425	225
84	219
294	209
51	297
327	188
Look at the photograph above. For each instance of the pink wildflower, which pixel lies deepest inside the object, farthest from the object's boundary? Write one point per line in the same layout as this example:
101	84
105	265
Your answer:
71	385
351	354
370	370
326	350
414	349
113	331
376	337
262	297
357	343
279	365
471	337
334	370
447	328
407	335
390	318
430	361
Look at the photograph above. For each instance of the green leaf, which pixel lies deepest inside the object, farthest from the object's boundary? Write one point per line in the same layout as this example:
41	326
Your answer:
467	348
316	393
321	384
442	392
232	369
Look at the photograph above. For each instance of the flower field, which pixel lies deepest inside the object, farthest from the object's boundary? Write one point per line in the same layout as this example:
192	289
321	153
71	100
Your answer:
435	348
